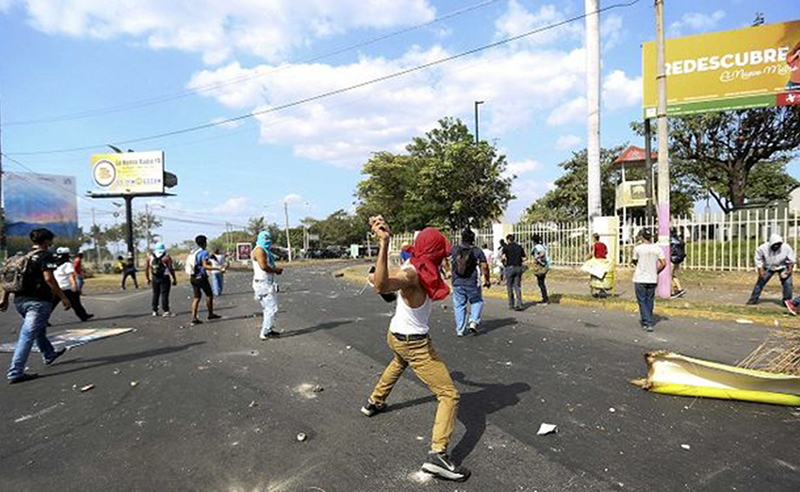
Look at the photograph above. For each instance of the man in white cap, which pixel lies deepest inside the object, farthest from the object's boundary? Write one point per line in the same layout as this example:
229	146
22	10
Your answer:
68	282
158	270
774	257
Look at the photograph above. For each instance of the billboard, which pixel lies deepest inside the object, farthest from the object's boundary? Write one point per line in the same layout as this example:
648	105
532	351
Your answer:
631	194
751	67
32	201
128	173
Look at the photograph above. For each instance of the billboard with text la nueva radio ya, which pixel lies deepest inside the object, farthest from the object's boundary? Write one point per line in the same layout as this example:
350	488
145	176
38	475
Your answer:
32	201
752	67
129	173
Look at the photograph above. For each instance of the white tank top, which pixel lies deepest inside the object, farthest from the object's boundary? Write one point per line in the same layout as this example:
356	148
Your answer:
408	320
259	275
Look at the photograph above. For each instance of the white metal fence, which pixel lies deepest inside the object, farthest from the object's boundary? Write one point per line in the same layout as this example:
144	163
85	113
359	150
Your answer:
714	241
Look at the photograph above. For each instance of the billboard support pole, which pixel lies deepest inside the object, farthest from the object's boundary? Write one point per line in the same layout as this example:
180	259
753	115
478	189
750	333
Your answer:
593	111
2	208
129	225
665	277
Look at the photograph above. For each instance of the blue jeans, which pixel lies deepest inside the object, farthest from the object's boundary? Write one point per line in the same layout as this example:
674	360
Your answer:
216	283
645	296
35	314
786	283
463	295
269	306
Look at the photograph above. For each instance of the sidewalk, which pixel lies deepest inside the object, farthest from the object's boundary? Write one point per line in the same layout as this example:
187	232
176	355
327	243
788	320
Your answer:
709	295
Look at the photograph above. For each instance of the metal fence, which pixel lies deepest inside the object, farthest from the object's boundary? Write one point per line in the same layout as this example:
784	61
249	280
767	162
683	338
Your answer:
714	241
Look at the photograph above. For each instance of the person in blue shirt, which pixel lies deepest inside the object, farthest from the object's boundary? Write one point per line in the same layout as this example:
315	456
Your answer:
467	265
200	282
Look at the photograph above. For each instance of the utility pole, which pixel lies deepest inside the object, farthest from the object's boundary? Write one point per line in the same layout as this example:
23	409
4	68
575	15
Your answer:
477	126
593	110
665	277
288	239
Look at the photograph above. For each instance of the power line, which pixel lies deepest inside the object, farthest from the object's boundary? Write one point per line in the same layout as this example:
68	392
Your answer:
334	92
212	87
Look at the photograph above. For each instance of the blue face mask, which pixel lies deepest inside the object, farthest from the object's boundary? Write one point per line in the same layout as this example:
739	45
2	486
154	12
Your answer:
264	241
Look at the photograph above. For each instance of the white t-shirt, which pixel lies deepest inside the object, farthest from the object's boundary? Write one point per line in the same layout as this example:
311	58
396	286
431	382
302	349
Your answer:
647	256
408	320
62	274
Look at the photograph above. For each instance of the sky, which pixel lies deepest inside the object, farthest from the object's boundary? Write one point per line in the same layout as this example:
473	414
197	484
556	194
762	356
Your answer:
83	73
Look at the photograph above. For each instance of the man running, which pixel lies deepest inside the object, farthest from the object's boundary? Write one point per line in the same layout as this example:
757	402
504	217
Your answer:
419	283
34	302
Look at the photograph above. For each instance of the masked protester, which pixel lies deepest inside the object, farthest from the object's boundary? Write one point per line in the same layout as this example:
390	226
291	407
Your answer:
774	257
419	284
264	285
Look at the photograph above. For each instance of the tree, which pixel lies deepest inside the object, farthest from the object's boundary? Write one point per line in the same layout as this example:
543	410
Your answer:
567	200
737	156
256	225
445	180
145	225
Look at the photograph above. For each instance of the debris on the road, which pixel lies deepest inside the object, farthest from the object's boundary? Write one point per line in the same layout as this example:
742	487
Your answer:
612	409
546	428
86	388
676	374
349	347
318	389
301	437
134	383
686	446
744	321
116	371
420	476
306	390
253	404
779	353
338	274
420	438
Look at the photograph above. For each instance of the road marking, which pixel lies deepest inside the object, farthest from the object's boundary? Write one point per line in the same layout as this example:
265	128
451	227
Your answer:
40	413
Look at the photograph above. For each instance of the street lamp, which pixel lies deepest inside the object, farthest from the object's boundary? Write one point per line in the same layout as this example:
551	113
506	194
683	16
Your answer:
477	103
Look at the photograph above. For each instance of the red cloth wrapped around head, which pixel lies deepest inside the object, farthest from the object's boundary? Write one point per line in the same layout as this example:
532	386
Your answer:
429	250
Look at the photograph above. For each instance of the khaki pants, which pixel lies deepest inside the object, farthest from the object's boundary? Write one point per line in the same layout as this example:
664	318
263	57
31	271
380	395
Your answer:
427	365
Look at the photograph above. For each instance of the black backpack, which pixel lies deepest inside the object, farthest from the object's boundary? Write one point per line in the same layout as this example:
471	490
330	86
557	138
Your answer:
157	266
465	263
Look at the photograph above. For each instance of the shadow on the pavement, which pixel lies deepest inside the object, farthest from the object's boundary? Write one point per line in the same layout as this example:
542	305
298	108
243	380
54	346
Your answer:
118	359
474	408
140	315
313	329
495	324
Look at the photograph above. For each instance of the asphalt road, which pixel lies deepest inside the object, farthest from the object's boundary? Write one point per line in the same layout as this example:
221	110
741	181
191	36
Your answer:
216	409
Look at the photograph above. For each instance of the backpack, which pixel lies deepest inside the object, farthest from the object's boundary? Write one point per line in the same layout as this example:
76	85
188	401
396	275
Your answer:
14	271
677	251
157	266
190	265
465	263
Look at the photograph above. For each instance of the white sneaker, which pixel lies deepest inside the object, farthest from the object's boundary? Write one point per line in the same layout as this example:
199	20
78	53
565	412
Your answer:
167	314
155	313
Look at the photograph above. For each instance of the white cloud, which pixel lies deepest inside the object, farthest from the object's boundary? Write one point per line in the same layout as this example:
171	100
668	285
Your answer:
344	130
226	124
292	198
518	20
265	29
518	168
610	31
621	92
526	191
572	111
695	22
232	205
5	5
567	141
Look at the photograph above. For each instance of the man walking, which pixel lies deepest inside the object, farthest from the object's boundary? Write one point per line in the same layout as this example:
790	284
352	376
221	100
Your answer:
677	253
67	279
264	286
200	267
465	261
33	298
649	260
515	256
419	283
159	270
773	257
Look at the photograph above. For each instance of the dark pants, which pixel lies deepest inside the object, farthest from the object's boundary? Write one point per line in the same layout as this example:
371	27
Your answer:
132	274
645	296
542	287
514	286
161	287
75	301
786	283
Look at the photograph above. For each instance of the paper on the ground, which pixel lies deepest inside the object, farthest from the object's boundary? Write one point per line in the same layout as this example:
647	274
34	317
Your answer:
546	428
73	338
676	374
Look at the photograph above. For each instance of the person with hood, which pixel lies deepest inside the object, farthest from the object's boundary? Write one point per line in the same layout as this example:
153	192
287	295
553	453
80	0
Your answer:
419	283
264	286
67	280
158	270
774	257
